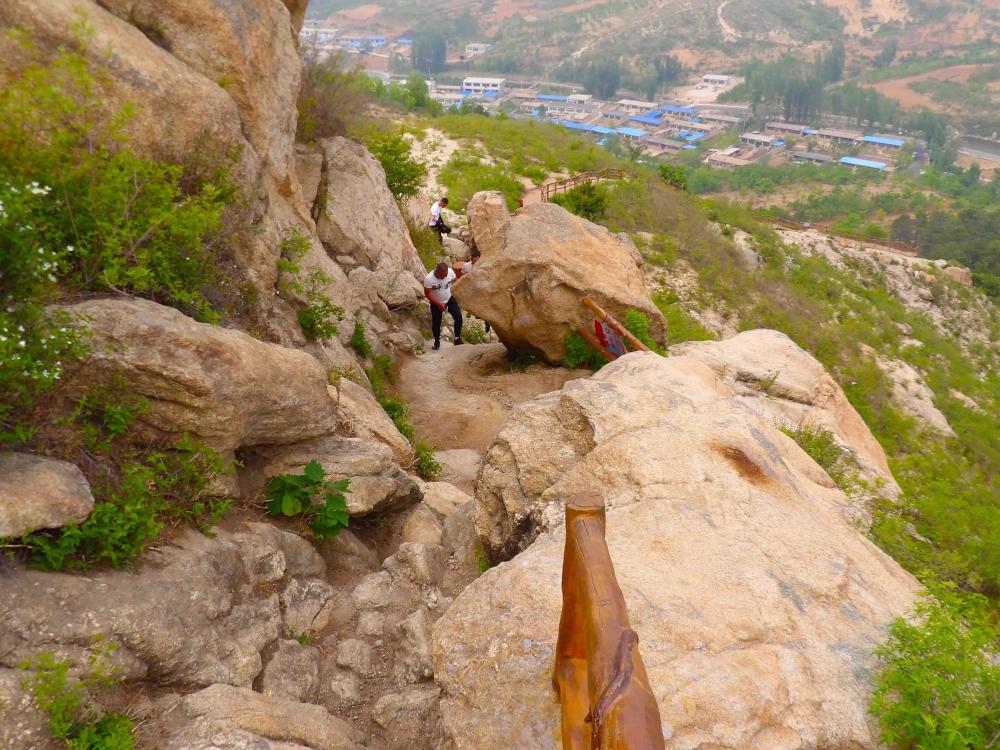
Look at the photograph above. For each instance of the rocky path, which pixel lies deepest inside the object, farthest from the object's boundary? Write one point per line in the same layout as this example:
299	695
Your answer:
459	396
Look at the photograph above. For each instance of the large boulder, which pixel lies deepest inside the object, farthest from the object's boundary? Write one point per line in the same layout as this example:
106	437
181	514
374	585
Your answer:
361	416
185	616
757	603
220	385
246	49
531	287
360	219
489	221
40	493
785	384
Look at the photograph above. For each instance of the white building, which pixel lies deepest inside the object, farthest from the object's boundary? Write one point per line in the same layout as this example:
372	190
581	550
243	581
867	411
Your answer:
636	106
715	79
476	85
477	48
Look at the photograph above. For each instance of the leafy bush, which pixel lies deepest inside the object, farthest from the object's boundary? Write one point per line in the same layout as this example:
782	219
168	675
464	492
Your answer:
474	332
637	323
579	353
358	341
293	495
821	446
403	173
72	717
589	200
332	98
427	466
465	174
680	325
318	319
673	174
130	509
104	218
427	243
940	686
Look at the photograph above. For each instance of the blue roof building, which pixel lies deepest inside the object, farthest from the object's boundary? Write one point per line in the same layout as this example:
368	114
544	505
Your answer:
673	109
853	161
404	40
880	140
649	119
551	98
632	132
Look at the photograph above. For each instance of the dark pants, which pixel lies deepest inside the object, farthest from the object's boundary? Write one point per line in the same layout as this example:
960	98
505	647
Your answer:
442	229
437	314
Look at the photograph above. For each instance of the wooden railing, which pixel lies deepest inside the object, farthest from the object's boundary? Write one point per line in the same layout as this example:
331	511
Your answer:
897	247
610	352
599	678
561	186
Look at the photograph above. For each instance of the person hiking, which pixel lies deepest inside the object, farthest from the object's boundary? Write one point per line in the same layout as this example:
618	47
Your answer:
437	289
437	220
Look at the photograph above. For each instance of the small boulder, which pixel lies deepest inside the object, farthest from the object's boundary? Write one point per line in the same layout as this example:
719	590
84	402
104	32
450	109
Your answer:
373	591
345	685
412	636
40	493
422	526
459	466
356	655
445	498
305	605
423	564
292	673
410	718
956	273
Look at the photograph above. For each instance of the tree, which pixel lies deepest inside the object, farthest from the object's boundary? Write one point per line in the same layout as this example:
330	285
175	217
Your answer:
830	67
674	174
403	173
602	78
429	51
884	58
668	68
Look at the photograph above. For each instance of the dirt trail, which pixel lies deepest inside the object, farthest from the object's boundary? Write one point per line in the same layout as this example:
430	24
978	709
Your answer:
458	397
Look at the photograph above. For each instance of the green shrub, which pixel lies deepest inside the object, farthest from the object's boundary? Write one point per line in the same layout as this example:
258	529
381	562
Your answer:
428	245
637	323
674	175
822	447
110	220
579	353
318	320
588	200
403	173
358	340
680	325
292	495
131	508
465	174
332	98
427	466
940	685
72	716
474	332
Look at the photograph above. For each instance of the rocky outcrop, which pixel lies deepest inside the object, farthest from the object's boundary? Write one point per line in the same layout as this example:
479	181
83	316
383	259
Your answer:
787	386
378	484
222	717
912	395
530	285
180	595
361	226
757	602
40	493
360	415
220	385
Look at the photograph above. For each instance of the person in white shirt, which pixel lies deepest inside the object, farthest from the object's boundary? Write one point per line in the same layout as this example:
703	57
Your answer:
436	221
437	289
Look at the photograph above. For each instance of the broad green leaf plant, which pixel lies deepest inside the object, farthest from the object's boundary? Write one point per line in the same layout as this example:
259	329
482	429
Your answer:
294	495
